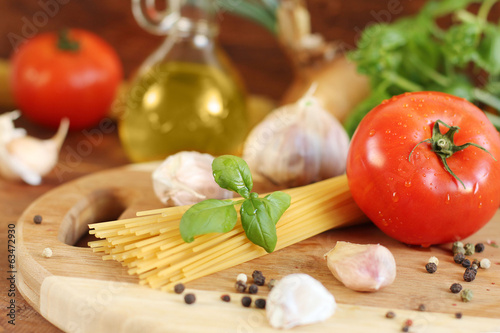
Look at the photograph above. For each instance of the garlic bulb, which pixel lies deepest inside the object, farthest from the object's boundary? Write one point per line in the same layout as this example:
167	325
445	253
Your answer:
24	157
186	178
299	299
295	145
362	267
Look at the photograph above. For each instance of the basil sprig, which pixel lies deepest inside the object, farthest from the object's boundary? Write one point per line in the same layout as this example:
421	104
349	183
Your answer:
258	215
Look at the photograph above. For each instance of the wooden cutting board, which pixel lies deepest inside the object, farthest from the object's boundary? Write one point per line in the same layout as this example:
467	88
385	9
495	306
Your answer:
79	292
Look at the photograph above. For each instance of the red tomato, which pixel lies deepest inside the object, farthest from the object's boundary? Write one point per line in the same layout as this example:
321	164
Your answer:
416	201
50	82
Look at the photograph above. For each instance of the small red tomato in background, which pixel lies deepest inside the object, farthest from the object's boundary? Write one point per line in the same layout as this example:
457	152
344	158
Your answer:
415	199
73	74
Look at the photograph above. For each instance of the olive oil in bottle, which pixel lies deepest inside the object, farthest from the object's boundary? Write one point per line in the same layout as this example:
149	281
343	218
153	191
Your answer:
180	106
186	95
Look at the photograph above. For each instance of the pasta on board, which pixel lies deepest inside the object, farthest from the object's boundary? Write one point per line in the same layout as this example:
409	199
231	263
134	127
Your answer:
150	245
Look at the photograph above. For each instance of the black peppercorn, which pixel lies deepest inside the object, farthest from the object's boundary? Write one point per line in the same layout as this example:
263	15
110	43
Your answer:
458	315
258	278
189	298
179	288
260	303
431	267
479	247
421	307
225	298
253	289
240	286
405	328
456	288
390	314
246	301
37	219
459	258
466	263
469	275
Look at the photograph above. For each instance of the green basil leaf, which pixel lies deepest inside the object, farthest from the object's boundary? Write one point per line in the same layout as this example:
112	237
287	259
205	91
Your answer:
276	204
208	216
233	173
259	218
258	225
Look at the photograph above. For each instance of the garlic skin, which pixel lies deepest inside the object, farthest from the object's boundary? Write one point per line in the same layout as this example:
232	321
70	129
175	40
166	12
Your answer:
186	178
25	157
299	299
362	267
296	145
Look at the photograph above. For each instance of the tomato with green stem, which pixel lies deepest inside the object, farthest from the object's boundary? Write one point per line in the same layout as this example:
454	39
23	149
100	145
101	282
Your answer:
425	168
74	74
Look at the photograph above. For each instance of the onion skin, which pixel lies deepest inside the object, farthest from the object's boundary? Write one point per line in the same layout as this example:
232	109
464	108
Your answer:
340	87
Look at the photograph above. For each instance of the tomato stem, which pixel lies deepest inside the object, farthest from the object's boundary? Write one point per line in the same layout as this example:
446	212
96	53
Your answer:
444	146
65	43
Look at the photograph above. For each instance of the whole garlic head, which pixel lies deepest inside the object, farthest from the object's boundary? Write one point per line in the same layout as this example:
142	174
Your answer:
25	157
362	267
186	178
299	299
296	145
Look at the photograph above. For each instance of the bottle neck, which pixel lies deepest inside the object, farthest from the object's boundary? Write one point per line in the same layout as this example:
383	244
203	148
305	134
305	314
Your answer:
188	27
197	17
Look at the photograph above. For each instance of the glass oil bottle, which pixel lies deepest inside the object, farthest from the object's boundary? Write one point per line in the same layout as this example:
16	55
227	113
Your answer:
186	96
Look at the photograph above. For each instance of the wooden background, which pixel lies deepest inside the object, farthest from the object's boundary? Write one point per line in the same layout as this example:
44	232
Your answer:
264	68
255	53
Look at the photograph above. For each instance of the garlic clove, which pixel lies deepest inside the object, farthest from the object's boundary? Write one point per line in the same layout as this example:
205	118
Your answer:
186	178
25	157
299	299
362	267
12	168
39	155
7	129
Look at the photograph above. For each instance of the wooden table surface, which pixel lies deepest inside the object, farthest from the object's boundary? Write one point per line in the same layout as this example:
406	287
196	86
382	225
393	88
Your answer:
262	63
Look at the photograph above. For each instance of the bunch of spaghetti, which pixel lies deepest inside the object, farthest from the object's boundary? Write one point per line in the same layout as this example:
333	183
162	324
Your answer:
150	245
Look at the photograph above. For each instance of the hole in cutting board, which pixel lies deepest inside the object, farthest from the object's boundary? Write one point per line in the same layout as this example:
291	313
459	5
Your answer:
98	206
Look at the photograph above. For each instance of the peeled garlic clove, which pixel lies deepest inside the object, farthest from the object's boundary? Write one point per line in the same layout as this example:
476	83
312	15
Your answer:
186	178
299	299
362	267
25	157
